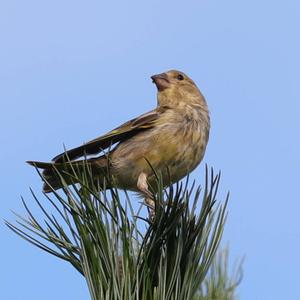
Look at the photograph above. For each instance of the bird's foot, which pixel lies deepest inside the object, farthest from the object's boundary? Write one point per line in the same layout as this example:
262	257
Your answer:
151	207
142	185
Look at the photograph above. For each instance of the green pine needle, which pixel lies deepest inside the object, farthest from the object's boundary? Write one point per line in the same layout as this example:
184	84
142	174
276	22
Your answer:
122	254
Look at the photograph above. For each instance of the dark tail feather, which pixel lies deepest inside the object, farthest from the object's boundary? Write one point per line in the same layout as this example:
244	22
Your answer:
69	171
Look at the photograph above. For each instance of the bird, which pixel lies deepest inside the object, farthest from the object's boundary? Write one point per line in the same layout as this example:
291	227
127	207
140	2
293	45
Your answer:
170	140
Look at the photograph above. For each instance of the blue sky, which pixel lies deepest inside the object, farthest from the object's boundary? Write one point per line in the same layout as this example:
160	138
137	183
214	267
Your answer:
71	70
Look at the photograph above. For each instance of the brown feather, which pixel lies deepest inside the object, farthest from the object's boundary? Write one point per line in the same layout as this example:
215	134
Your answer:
97	166
121	133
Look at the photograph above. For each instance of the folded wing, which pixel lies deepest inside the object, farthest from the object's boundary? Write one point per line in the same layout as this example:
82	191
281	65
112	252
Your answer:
123	132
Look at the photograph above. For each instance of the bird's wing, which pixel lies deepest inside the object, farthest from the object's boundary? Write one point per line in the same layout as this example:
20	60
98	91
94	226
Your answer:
125	131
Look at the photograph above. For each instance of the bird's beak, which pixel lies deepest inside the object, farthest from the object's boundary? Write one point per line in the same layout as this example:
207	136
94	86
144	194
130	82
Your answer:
161	81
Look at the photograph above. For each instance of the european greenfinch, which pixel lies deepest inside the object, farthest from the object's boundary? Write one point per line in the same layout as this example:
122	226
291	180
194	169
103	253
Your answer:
171	139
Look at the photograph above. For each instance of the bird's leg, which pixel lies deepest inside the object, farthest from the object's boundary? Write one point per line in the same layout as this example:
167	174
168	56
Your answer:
142	185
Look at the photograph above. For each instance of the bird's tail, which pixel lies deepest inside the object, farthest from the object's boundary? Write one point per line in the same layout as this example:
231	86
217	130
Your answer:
70	172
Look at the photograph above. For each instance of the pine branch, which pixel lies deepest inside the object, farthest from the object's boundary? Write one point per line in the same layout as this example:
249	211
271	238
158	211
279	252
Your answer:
123	255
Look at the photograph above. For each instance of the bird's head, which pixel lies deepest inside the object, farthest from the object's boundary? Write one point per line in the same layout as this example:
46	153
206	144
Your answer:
175	87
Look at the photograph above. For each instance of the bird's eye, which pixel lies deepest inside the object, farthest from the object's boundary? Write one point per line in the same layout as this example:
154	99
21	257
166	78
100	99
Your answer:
180	77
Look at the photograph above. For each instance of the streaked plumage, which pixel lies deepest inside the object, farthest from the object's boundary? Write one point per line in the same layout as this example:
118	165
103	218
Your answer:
172	137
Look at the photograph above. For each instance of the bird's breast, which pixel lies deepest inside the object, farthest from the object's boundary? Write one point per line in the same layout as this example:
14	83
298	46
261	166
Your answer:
174	147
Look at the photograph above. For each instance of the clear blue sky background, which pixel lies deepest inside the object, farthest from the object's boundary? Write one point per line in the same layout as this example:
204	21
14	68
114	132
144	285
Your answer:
71	70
